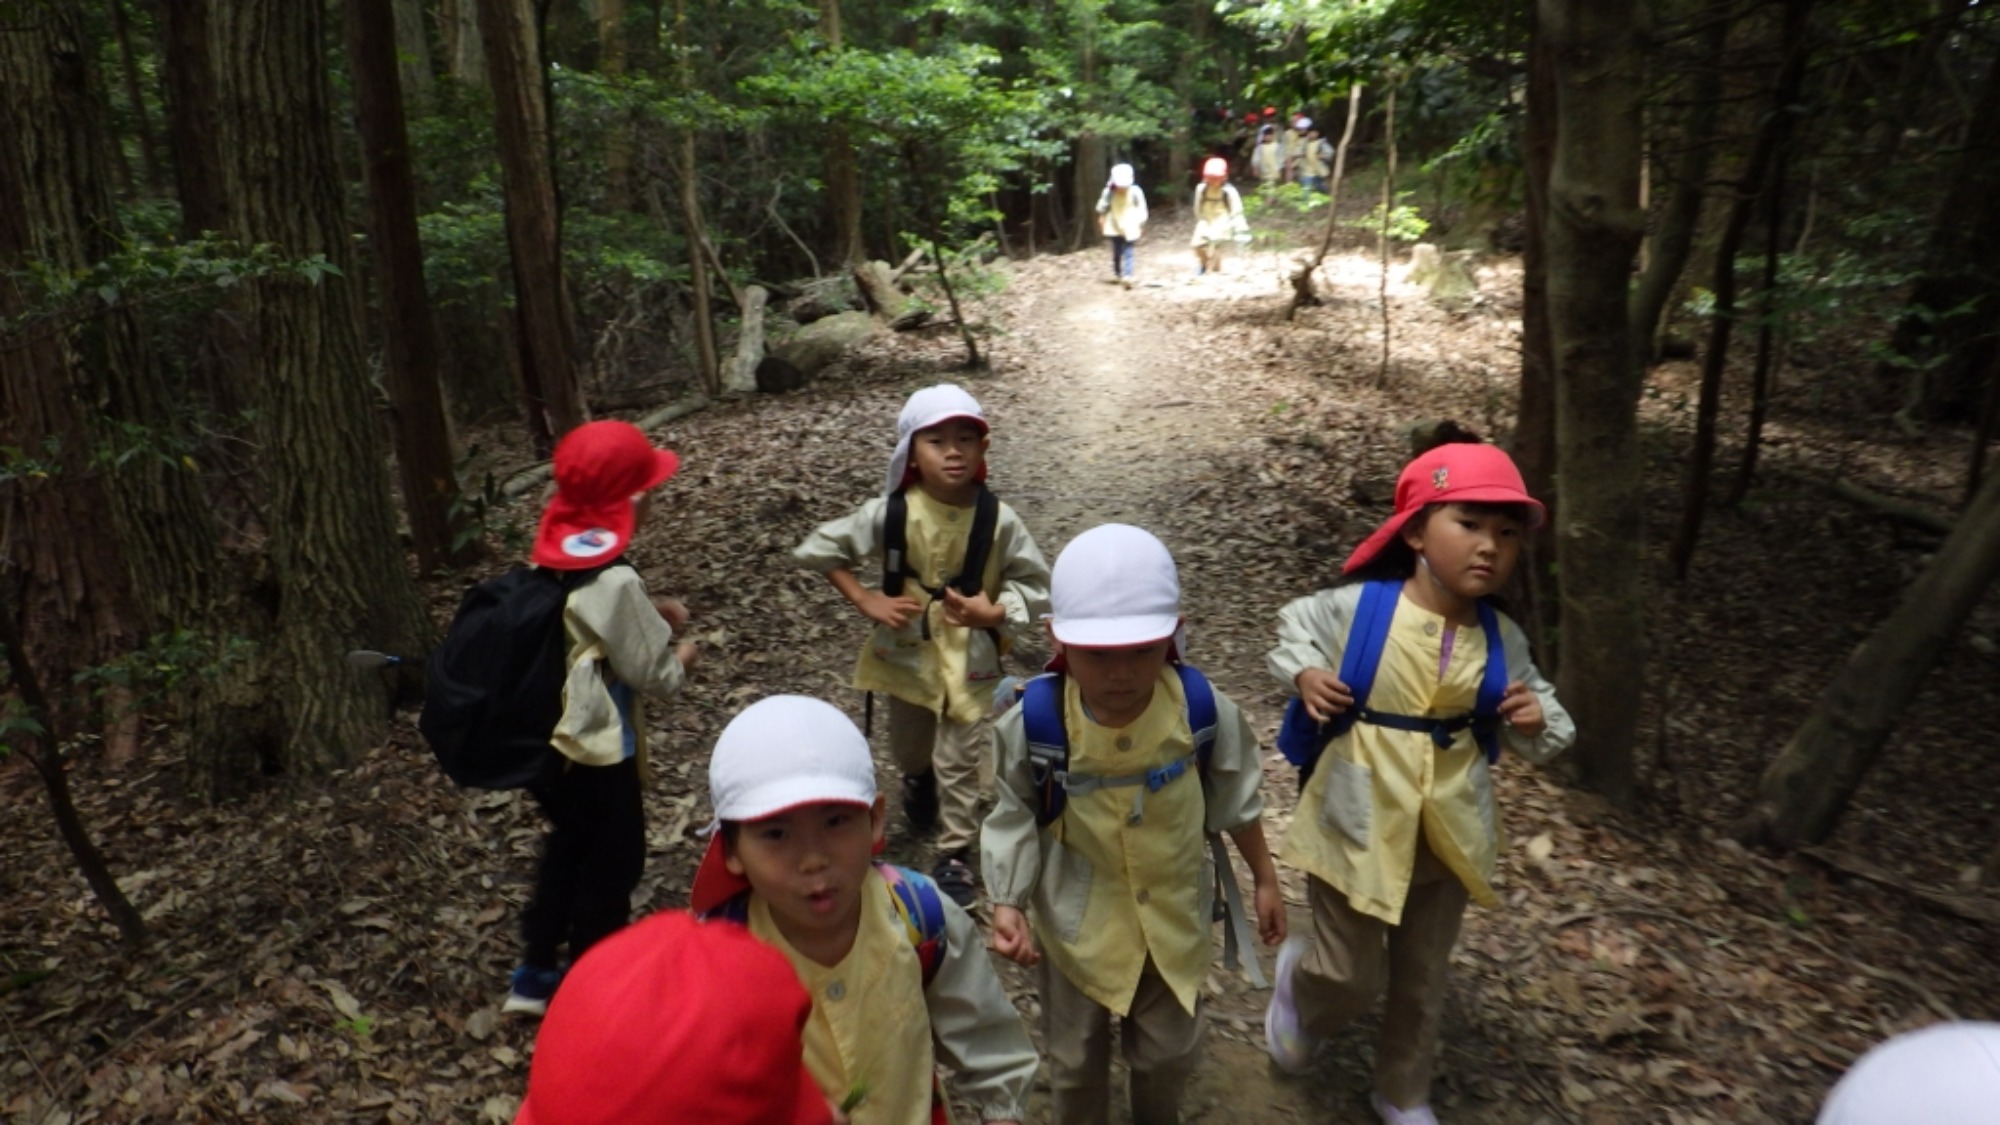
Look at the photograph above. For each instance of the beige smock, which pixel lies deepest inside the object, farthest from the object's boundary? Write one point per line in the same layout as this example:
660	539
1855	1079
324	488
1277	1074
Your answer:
874	1023
1121	212
615	634
1218	214
952	674
1312	159
1375	788
1104	894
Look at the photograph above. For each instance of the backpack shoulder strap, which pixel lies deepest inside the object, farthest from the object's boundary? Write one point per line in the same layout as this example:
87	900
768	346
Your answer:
920	905
1492	682
979	545
1366	637
895	542
734	909
1048	743
1200	697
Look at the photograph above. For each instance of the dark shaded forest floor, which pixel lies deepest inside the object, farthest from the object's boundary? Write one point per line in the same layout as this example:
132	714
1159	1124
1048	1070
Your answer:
339	952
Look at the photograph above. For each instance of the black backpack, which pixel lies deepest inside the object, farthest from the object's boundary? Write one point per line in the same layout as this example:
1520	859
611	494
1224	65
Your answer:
493	689
978	545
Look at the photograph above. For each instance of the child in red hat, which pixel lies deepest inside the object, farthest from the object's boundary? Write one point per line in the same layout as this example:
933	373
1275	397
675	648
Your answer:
676	1022
1218	214
1403	828
620	641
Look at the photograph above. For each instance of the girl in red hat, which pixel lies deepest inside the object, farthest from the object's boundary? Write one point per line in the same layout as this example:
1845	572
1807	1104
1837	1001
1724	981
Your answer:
1218	214
1402	830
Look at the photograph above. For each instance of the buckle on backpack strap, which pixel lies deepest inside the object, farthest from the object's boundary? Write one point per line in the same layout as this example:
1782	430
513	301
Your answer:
1155	778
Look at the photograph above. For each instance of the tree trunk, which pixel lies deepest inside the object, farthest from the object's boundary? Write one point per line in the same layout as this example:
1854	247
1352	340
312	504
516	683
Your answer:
551	386
423	439
1803	793
75	601
189	84
336	577
709	364
1388	207
1770	310
1593	232
1181	148
618	135
1535	417
1715	358
1092	168
1950	354
413	53
843	180
142	117
1680	219
742	375
465	44
973	360
1303	290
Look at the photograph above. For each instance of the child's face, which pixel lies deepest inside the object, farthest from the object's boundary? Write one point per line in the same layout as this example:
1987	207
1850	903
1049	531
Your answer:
807	864
1470	549
950	454
1116	683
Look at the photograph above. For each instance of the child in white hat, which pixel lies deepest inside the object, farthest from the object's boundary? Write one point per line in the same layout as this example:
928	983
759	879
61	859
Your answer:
942	619
1121	215
797	826
1113	771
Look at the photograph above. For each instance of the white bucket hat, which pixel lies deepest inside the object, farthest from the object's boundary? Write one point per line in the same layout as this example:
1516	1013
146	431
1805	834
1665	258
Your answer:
1121	175
1302	123
1944	1072
925	409
780	752
1115	585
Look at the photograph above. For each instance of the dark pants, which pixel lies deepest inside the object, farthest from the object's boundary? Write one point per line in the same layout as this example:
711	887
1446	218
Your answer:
1122	256
591	860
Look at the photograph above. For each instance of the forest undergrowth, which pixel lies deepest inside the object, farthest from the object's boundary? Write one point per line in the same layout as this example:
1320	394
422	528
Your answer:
339	952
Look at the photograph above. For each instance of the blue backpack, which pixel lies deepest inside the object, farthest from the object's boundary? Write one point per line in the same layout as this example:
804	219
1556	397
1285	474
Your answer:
1041	703
1302	738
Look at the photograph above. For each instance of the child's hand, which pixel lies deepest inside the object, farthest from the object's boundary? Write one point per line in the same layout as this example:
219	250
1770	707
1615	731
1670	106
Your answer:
892	612
1523	710
674	610
1271	921
975	612
1325	696
686	652
1012	938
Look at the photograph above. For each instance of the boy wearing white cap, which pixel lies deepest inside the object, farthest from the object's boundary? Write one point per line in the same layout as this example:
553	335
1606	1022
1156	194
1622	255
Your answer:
797	825
1118	877
961	579
618	641
1121	215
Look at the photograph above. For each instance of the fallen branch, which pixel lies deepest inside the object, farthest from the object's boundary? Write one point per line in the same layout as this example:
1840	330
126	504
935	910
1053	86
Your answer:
1902	511
915	256
1969	907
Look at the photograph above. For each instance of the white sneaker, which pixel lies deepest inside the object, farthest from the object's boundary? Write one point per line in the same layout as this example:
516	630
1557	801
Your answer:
1421	1115
1290	1047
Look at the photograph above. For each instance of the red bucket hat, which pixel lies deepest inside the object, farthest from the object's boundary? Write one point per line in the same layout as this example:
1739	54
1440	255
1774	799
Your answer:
675	1022
600	468
1457	473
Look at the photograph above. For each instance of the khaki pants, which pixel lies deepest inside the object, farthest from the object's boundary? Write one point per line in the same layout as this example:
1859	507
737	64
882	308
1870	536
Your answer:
1353	954
1159	1041
919	741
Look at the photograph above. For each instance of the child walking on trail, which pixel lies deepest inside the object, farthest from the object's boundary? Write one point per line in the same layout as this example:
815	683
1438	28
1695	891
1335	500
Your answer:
1118	877
1218	213
942	618
619	641
1396	825
797	825
1121	215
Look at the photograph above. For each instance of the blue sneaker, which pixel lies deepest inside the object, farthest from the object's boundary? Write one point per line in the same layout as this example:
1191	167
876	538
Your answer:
1290	1047
530	990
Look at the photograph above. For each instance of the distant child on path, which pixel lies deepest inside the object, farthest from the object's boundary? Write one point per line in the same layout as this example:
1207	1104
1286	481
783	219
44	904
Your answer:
1396	824
1267	160
1218	213
1119	881
940	628
676	1022
1121	215
797	826
620	641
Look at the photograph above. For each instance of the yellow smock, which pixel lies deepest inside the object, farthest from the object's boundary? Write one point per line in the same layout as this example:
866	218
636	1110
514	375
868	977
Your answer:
869	1025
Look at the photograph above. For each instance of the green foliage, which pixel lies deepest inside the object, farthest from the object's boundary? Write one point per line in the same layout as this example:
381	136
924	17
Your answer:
164	666
1405	224
482	506
1294	198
